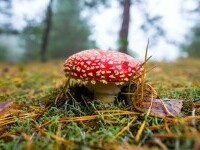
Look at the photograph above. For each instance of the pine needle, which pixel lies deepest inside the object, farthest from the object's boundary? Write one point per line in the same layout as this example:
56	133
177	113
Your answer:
166	109
139	133
7	134
94	117
55	137
124	129
143	75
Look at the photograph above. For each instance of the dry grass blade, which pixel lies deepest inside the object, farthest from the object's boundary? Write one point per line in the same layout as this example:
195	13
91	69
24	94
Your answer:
143	75
138	135
62	140
155	127
58	134
13	116
174	136
166	125
59	96
159	142
166	109
94	117
7	134
57	137
119	111
83	118
46	123
28	139
189	118
124	129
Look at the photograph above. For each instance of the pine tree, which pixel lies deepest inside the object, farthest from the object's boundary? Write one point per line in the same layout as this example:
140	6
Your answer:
70	32
192	44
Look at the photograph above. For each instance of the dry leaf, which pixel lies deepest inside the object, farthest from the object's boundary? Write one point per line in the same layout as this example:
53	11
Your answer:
7	106
158	108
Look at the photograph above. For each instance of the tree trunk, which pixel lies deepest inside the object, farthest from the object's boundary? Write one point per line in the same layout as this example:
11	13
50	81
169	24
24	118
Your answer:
46	33
123	35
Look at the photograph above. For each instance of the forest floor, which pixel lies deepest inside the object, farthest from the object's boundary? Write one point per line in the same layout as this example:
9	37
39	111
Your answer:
29	118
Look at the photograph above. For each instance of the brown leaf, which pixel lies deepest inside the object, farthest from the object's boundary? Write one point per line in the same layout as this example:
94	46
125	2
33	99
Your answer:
158	108
7	106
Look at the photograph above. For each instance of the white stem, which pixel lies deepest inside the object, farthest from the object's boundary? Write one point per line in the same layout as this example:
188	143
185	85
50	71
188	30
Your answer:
105	98
104	92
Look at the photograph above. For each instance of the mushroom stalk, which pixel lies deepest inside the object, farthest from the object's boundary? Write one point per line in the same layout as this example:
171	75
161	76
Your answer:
104	92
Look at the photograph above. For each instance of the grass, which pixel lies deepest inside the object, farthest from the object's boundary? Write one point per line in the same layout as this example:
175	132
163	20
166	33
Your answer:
33	121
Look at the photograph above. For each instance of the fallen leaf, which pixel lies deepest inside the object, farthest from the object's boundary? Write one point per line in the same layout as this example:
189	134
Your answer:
159	109
7	106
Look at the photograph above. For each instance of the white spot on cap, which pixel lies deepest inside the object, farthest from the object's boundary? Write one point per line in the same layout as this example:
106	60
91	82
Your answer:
110	62
102	66
104	81
129	69
103	60
119	67
74	74
102	77
122	75
93	81
88	62
70	65
116	72
85	58
112	76
78	69
92	58
67	68
108	71
113	68
126	79
90	74
130	74
98	73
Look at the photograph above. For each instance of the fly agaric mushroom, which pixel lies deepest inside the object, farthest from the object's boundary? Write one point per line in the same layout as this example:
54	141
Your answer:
102	72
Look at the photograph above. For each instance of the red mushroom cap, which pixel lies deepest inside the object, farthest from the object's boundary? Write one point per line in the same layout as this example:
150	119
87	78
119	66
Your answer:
101	65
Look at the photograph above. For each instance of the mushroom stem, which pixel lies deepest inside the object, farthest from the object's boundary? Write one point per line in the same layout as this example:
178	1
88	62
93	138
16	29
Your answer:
104	92
105	98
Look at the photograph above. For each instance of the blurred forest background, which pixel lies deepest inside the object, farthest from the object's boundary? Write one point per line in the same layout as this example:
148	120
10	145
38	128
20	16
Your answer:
61	28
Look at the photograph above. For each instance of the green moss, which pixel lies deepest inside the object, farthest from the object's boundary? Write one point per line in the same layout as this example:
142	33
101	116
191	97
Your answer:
37	85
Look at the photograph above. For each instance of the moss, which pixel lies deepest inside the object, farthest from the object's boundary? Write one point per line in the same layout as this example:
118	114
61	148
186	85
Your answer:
35	87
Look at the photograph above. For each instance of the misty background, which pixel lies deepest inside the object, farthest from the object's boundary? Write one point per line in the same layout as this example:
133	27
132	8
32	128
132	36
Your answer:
52	29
